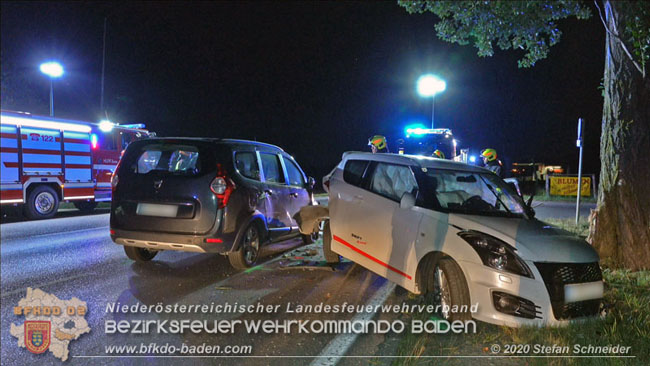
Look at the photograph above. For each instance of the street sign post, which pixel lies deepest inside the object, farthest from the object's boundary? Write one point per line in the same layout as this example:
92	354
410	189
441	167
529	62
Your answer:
579	145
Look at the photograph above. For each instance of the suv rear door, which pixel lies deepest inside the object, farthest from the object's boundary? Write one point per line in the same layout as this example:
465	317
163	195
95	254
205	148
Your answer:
297	182
278	195
164	186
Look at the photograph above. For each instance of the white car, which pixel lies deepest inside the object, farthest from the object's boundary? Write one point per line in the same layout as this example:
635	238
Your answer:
460	233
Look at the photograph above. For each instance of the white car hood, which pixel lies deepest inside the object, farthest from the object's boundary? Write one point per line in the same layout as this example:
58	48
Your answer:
533	239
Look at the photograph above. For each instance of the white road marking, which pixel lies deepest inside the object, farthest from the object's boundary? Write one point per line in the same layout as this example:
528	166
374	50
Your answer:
42	285
338	347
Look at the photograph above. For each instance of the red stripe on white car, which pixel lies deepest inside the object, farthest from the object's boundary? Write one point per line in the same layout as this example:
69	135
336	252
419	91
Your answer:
370	257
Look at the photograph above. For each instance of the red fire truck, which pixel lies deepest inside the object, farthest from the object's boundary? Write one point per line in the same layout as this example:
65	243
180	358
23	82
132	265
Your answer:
47	160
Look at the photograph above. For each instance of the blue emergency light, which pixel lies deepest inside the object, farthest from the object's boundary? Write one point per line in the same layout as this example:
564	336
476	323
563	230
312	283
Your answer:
416	130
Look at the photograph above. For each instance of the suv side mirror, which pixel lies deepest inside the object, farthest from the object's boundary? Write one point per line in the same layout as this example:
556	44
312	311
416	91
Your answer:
311	182
407	201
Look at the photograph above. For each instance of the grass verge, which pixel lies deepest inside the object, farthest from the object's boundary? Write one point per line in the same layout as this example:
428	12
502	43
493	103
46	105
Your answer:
582	229
626	323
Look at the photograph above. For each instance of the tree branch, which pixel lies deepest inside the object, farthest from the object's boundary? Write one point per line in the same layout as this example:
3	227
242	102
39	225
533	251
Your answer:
618	38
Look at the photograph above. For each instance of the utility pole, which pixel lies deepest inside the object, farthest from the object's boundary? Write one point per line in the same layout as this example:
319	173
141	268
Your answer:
433	110
51	97
579	145
101	100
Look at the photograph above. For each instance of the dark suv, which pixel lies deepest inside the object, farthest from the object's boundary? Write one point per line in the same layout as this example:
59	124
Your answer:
206	195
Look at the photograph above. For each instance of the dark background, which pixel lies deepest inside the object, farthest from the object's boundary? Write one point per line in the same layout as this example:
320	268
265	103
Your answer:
316	78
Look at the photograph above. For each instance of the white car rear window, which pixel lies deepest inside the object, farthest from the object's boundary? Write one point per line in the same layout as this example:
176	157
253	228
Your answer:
392	181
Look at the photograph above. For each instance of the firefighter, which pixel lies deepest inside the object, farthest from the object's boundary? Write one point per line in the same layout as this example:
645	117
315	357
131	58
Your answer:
378	144
491	162
438	154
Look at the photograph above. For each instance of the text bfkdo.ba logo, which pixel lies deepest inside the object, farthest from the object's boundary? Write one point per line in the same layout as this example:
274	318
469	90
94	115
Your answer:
50	323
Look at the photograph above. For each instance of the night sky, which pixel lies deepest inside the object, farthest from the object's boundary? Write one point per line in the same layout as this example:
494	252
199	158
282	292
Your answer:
315	78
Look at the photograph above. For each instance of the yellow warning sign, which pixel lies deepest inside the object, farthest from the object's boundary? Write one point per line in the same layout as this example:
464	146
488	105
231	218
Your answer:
568	186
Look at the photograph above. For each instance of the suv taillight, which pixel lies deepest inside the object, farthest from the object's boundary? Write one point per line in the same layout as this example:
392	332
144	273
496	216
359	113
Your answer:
222	186
114	178
219	185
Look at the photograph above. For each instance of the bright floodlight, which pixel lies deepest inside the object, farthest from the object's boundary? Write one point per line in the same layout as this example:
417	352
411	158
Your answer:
472	159
106	125
52	69
429	85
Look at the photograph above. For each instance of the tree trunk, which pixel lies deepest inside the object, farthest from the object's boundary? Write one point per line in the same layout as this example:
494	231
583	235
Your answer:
622	226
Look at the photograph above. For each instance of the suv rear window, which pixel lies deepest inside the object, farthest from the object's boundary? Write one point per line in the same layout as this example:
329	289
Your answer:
246	164
169	158
353	171
272	170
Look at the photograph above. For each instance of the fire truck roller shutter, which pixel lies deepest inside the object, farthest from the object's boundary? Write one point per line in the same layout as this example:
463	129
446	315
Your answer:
77	156
41	151
9	151
11	191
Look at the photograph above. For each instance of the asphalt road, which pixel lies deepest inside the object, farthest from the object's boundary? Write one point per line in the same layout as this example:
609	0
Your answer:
561	210
74	257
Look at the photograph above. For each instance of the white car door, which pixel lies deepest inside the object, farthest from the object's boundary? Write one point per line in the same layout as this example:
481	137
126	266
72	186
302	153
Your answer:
378	234
346	195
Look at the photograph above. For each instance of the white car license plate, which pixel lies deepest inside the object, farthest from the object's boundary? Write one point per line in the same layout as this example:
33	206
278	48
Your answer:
150	209
583	291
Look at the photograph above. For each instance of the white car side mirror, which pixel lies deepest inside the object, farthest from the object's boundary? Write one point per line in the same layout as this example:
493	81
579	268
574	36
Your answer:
407	201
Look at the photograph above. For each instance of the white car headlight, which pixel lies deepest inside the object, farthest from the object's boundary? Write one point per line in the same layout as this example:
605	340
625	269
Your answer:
495	253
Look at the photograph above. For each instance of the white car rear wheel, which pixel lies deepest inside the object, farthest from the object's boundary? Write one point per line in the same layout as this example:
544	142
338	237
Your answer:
330	256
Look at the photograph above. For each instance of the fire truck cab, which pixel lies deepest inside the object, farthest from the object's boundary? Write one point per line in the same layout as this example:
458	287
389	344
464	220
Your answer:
46	161
424	141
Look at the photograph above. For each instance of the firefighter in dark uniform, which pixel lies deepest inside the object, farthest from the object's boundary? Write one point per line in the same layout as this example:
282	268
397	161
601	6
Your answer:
491	162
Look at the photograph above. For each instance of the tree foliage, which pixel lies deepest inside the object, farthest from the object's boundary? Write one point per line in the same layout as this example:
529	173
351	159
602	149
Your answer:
527	25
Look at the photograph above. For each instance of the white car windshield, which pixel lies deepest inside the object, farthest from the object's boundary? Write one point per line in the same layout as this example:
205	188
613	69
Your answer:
474	193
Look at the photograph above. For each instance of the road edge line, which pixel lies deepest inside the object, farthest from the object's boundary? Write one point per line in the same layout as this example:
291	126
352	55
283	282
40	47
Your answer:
338	347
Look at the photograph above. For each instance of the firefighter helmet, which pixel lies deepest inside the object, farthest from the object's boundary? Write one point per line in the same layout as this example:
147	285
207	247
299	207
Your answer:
377	141
438	154
489	154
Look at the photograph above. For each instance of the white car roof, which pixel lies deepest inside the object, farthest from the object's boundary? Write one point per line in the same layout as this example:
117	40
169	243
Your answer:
414	160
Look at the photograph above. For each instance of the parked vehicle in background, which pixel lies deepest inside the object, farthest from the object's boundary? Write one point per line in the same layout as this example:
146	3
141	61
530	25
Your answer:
532	176
206	195
45	161
461	234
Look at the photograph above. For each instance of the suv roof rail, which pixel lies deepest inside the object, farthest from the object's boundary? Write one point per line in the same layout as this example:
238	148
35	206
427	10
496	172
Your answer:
252	142
217	139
